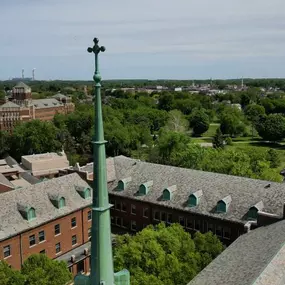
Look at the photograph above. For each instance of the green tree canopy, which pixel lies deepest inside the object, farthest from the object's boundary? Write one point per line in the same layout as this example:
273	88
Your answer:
34	137
176	122
165	255
39	269
218	140
271	127
199	121
9	276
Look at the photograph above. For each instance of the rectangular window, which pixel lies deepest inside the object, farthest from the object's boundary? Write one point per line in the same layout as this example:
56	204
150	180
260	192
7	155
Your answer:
210	228
169	218
74	240
112	220
89	233
118	221
42	236
57	248
7	251
163	216
124	207
189	224
145	212
133	225
227	233
124	223
73	222
156	216
133	209
32	240
182	221
118	206
89	215
219	231
197	225
43	251
57	229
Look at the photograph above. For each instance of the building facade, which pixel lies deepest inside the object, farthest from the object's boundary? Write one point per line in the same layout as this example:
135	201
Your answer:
22	107
52	217
145	193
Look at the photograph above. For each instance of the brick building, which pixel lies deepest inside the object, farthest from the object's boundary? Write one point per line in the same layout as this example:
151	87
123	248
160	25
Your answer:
145	193
52	217
21	107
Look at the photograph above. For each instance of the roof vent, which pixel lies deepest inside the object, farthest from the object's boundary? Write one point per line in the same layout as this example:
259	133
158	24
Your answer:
194	198
168	193
145	188
224	204
123	184
252	212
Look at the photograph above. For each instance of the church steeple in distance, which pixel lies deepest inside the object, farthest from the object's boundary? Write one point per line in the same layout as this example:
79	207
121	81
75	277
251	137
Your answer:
102	271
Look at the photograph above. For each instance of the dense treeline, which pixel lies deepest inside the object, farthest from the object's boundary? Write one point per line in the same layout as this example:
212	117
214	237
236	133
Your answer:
161	127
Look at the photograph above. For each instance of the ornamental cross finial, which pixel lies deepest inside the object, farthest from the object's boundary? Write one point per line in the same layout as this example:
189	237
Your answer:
96	48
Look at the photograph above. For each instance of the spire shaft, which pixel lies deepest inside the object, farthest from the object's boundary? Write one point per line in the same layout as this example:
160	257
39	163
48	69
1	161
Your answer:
101	244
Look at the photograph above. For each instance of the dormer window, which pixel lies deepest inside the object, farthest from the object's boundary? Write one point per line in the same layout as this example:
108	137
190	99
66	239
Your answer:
31	214
253	211
27	212
168	193
145	187
123	184
84	192
57	201
224	204
194	198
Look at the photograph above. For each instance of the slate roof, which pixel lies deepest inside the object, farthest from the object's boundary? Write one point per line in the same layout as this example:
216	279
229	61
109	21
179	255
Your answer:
46	103
244	192
9	104
37	196
4	181
254	258
30	178
22	85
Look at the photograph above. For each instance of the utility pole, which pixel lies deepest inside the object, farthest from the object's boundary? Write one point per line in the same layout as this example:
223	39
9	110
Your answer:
102	271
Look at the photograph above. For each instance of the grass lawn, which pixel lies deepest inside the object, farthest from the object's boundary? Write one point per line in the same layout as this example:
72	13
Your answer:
211	131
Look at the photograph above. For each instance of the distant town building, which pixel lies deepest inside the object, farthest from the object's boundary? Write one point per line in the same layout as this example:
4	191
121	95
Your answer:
20	106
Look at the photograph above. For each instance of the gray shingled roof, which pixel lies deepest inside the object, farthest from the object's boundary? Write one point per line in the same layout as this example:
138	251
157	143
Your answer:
21	85
46	103
253	257
5	181
37	196
244	192
9	104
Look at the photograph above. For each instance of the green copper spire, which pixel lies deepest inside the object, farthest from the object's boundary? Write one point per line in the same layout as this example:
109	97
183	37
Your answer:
102	272
101	245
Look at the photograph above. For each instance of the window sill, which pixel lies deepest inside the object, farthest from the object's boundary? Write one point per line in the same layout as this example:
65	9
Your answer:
7	256
33	245
57	235
42	241
145	217
74	227
134	214
74	245
58	253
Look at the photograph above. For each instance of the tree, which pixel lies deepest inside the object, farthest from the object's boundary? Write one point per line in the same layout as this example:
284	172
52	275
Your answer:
271	127
274	158
199	121
165	101
176	122
39	269
253	113
34	137
232	121
165	255
218	140
4	143
9	276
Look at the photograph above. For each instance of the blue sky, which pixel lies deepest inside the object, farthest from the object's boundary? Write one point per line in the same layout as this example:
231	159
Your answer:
152	39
